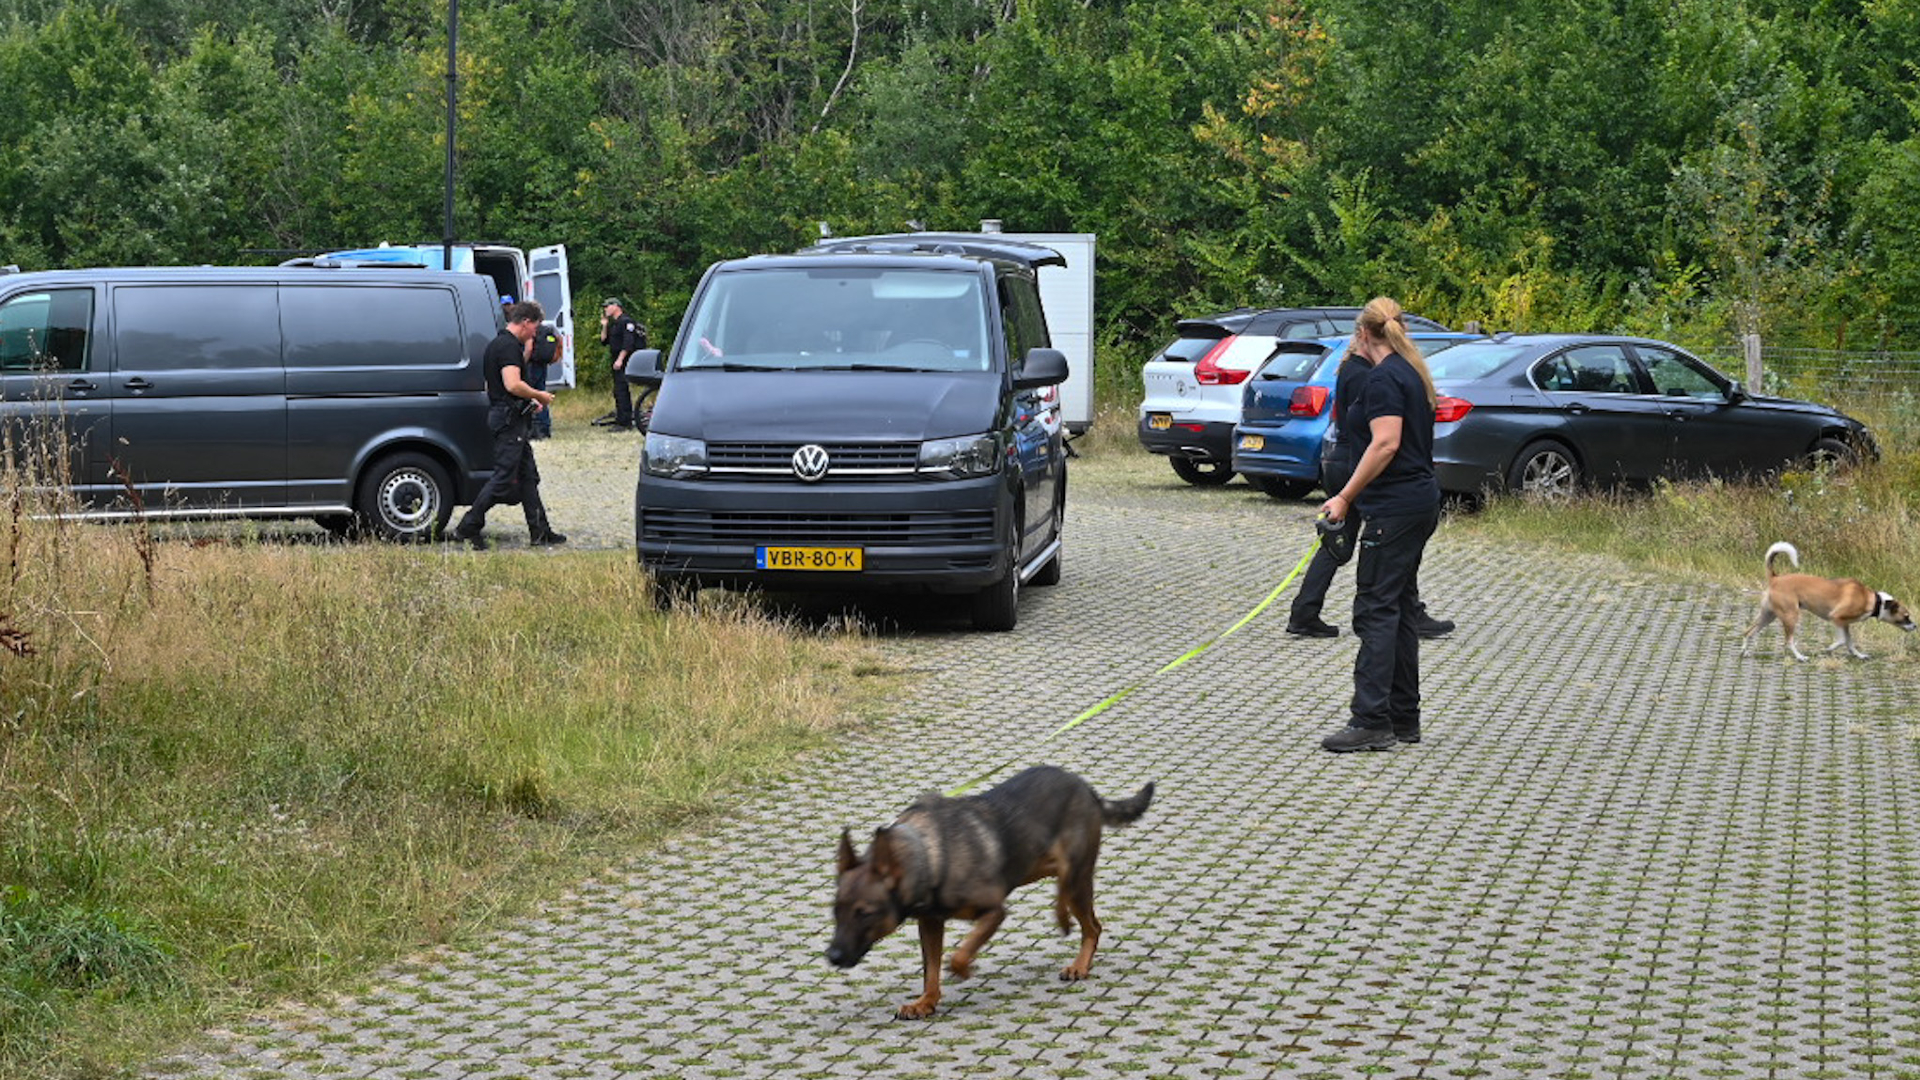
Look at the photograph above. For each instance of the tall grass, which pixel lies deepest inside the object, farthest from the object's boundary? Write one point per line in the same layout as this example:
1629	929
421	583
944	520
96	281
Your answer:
233	769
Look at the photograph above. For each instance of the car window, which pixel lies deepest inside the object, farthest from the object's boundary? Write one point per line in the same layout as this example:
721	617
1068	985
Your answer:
1294	363
1187	350
197	327
335	327
1472	359
839	317
1675	375
1026	326
1588	369
46	331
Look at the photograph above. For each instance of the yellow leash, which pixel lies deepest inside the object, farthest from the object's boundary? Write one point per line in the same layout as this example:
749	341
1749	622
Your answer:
1122	695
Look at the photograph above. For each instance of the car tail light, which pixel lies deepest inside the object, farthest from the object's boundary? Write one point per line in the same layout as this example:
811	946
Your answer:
1208	371
1308	401
1448	409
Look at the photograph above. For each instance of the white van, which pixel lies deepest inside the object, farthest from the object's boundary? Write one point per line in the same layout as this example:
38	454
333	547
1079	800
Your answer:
540	274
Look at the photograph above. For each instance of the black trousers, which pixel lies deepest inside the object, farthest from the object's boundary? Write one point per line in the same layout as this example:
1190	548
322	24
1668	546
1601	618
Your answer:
1335	472
1386	602
515	479
622	396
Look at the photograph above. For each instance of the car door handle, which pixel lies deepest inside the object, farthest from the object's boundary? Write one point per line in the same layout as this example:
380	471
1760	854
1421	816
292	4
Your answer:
82	386
1578	407
138	383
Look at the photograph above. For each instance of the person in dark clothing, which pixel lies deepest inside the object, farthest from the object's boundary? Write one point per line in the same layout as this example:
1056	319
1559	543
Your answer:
624	337
1394	489
511	405
1337	545
546	351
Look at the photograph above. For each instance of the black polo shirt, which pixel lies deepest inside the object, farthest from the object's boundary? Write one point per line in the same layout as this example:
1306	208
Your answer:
503	351
624	336
1407	485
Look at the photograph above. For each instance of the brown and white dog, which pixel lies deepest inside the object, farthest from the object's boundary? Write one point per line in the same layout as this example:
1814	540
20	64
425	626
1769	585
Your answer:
1840	601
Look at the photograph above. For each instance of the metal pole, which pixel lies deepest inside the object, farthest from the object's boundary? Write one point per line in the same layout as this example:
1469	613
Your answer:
453	37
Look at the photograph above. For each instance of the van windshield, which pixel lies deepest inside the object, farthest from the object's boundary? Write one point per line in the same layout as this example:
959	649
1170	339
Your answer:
837	319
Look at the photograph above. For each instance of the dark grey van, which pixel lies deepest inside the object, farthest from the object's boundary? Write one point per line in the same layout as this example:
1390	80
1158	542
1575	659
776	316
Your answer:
860	415
351	395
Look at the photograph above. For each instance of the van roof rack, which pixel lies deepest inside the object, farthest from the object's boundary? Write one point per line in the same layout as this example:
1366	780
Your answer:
975	245
355	264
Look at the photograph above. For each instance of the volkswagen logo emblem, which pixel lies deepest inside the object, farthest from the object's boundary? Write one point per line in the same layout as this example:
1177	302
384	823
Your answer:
810	462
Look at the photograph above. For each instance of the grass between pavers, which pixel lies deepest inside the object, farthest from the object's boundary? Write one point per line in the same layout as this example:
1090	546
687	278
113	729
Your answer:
240	770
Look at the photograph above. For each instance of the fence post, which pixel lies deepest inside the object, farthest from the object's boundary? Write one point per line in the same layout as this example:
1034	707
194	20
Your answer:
1751	344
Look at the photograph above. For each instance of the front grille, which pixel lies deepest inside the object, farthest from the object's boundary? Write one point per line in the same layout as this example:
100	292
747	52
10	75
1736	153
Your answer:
933	528
846	461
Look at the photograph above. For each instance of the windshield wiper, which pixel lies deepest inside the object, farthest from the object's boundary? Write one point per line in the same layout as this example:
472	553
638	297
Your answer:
869	367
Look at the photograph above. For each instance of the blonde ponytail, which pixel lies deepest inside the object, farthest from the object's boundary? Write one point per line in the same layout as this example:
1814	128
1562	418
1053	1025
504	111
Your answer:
1382	319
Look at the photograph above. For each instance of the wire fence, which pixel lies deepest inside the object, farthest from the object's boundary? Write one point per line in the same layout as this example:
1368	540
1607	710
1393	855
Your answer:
1825	374
1879	387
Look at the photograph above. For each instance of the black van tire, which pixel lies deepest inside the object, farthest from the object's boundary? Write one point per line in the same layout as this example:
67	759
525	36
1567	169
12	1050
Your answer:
996	608
341	526
406	498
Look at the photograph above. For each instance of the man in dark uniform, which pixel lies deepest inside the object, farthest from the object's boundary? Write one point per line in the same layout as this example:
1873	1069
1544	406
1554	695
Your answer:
511	405
546	350
624	337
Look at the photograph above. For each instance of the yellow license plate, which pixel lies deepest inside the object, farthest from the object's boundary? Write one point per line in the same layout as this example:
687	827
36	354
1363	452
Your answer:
1159	421
1253	442
808	558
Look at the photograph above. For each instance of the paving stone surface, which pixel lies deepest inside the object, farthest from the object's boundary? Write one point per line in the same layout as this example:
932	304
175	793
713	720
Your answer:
1624	850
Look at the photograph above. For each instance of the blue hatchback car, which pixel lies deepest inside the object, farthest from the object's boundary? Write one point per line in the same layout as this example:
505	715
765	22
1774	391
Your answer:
1287	407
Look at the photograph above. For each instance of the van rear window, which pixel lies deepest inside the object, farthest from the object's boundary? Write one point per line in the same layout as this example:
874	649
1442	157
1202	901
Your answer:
382	326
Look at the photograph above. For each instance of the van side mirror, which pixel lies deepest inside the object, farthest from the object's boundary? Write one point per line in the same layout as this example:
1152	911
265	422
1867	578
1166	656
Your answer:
643	367
1040	367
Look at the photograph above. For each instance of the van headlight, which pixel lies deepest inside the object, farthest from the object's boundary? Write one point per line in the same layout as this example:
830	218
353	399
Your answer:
968	455
672	456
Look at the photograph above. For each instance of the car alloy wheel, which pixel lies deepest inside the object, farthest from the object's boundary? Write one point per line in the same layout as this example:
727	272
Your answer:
1546	471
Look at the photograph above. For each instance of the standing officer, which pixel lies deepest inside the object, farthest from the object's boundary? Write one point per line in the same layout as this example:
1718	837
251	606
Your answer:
511	405
624	337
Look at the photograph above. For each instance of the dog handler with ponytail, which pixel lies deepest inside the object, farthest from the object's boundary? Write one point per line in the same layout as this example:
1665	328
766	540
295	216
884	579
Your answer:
1394	490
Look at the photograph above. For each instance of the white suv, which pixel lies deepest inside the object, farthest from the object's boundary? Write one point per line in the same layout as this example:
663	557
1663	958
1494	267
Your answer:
1195	385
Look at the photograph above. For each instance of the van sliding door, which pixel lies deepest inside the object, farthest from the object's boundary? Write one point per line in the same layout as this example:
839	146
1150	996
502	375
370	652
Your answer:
198	397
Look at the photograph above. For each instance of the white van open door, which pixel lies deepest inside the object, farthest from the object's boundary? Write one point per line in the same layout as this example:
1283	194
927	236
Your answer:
554	291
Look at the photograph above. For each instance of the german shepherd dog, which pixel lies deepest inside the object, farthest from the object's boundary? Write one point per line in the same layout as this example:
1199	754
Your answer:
959	858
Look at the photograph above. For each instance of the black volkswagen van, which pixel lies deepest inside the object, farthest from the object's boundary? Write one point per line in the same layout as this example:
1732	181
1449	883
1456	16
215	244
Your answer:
859	415
352	395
